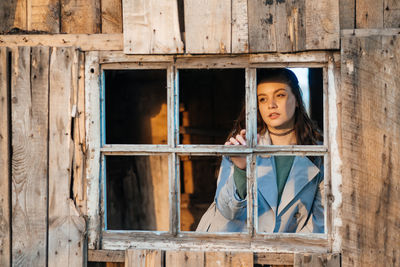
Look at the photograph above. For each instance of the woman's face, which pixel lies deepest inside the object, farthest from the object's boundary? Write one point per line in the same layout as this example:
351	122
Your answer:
277	104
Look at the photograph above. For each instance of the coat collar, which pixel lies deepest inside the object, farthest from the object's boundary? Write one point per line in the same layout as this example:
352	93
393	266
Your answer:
301	173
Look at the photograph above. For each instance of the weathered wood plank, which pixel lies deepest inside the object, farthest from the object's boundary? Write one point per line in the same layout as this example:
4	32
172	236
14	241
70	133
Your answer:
184	258
347	14
5	152
262	24
157	24
111	16
322	24
228	259
369	14
316	260
7	15
208	26
29	96
391	15
20	19
78	113
80	16
106	255
274	258
45	16
92	122
86	42
66	226
370	150
240	27
143	258
370	32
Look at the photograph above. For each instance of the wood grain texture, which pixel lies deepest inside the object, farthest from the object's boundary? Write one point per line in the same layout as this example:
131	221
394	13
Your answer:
7	15
391	14
92	123
370	150
240	27
322	24
157	24
111	16
66	226
262	18
106	255
86	42
143	258
78	114
5	152
184	258
347	14
316	260
228	259
29	96
208	26
45	16
369	14
80	16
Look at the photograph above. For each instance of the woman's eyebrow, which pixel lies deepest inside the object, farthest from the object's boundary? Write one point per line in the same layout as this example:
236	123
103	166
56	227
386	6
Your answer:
277	90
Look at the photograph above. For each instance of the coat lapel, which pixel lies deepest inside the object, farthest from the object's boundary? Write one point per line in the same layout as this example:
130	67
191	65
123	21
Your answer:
266	181
302	172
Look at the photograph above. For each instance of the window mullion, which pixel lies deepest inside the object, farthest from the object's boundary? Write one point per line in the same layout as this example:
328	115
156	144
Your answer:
251	136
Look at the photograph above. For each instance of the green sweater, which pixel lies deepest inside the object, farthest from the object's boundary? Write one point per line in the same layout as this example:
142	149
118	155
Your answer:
283	164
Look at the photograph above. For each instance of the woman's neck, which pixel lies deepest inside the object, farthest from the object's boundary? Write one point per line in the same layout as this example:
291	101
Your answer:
284	140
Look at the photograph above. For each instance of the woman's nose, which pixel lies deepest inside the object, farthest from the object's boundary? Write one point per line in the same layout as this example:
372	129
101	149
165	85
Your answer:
272	103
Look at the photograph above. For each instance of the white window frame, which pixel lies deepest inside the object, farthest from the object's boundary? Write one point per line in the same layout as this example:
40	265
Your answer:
98	238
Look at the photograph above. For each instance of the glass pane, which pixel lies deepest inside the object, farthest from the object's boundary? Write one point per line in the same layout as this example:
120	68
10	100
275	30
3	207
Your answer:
213	197
290	106
136	106
210	102
290	194
137	193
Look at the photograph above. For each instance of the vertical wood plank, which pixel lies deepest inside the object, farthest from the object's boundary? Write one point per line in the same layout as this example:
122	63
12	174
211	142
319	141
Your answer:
29	159
20	20
184	258
262	17
143	258
78	111
111	16
45	16
391	15
322	24
4	159
7	15
66	226
369	14
347	14
92	123
157	24
80	16
208	26
316	260
240	27
370	150
229	259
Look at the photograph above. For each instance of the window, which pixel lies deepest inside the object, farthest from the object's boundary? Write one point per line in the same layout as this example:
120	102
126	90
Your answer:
163	122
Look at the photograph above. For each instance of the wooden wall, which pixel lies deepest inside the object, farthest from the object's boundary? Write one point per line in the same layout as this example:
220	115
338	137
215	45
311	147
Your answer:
31	125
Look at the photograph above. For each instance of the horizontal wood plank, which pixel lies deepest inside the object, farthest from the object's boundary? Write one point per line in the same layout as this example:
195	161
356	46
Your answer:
85	42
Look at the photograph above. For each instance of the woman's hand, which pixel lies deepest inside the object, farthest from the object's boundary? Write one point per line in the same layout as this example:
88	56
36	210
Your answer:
238	140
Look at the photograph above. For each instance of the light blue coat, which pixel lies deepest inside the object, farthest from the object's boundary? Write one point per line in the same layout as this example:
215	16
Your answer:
300	210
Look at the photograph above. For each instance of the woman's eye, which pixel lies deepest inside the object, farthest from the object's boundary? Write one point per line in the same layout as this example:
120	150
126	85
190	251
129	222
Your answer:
281	95
262	100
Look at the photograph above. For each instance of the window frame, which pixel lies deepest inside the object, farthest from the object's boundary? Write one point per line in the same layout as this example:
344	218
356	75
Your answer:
97	62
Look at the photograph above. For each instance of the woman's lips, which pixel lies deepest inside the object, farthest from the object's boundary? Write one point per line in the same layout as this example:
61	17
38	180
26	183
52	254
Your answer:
273	116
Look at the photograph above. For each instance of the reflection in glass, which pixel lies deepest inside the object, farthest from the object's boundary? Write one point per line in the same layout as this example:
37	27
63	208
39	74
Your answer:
290	194
137	193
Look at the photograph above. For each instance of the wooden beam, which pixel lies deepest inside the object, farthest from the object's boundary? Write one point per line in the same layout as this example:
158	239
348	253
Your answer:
5	171
85	42
29	96
80	16
106	255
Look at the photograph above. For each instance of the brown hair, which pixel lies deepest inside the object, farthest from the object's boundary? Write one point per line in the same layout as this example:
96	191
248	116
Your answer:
307	132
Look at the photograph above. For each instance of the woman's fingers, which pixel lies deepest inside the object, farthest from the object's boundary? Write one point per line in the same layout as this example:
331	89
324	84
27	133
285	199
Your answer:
241	139
233	141
243	133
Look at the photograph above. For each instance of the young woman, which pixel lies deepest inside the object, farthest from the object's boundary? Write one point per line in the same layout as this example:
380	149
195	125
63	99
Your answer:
290	188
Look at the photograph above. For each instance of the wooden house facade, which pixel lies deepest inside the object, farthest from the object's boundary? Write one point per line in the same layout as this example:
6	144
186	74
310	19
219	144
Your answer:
55	58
